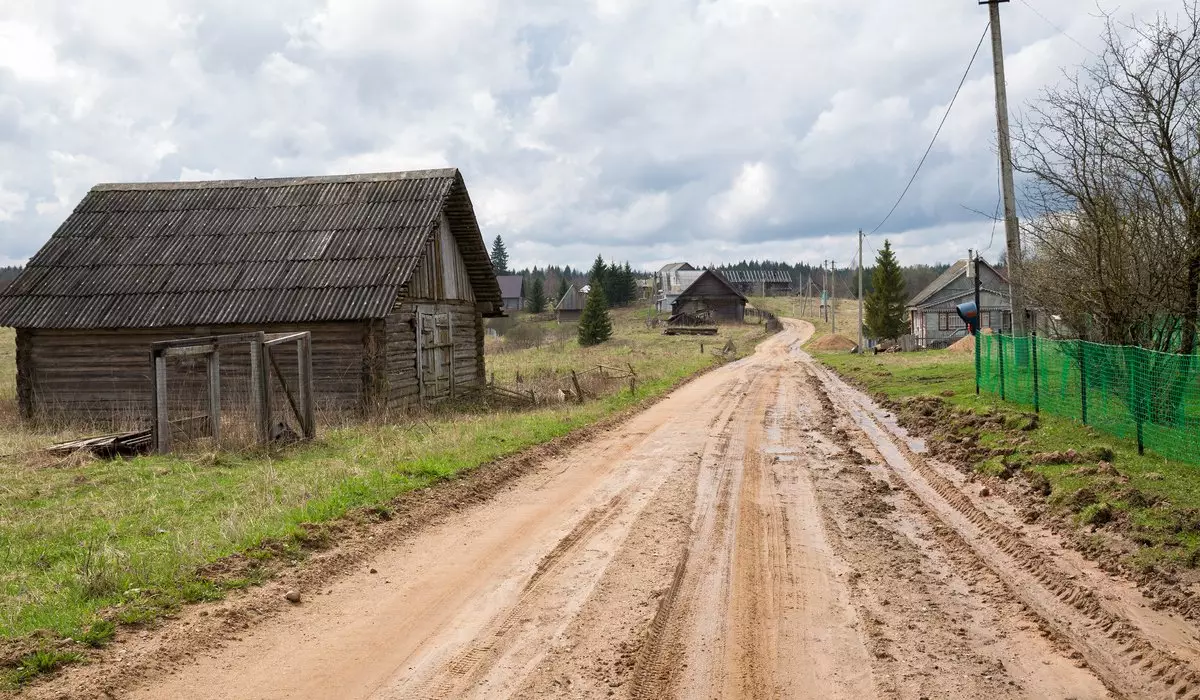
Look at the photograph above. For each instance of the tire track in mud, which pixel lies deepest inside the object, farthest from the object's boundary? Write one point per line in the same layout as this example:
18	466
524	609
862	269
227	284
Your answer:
1115	649
470	664
751	657
469	670
657	670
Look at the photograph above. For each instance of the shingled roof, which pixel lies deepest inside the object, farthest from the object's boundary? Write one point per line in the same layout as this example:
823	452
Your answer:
958	269
282	250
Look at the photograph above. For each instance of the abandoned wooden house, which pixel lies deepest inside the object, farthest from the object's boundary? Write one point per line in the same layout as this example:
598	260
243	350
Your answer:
570	308
932	313
389	272
711	296
764	283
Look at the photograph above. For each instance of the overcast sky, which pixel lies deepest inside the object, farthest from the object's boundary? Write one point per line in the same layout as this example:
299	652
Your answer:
647	130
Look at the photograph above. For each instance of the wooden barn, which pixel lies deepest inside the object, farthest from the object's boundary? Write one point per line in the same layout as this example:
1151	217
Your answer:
764	283
711	296
388	271
570	307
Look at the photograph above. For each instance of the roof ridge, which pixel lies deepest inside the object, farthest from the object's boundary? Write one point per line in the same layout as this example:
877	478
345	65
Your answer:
276	181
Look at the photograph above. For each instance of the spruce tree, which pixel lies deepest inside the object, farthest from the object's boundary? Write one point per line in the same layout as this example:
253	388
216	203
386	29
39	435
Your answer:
537	296
563	287
885	303
630	281
598	276
595	326
499	257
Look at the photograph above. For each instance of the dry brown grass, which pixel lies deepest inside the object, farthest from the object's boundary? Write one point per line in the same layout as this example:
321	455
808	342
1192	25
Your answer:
545	368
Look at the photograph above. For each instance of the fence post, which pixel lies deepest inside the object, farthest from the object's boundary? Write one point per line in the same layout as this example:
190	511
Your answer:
214	395
1000	344
978	338
1138	397
1037	406
1083	381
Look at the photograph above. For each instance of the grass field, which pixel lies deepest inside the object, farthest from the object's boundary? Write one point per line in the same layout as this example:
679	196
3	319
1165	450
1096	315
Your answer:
85	541
1151	500
635	344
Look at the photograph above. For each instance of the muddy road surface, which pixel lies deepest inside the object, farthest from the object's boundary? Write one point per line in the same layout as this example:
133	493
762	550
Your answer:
764	532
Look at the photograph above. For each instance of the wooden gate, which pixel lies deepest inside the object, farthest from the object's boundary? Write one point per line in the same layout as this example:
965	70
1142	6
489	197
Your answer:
436	356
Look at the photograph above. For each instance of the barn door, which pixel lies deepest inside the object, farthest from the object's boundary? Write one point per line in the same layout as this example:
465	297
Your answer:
437	351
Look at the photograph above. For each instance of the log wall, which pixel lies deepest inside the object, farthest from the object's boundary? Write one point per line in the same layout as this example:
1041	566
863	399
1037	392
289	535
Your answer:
103	376
404	376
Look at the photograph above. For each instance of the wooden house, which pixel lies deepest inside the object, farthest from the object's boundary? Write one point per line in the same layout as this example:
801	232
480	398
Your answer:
388	271
711	296
512	290
932	313
570	308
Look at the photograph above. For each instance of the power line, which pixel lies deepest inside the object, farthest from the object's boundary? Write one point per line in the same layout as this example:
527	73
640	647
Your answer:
1055	27
937	133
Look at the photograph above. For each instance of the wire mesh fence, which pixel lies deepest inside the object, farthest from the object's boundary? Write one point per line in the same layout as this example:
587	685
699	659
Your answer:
1128	392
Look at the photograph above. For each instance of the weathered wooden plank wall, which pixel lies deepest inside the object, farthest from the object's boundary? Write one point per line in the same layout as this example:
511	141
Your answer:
99	375
467	334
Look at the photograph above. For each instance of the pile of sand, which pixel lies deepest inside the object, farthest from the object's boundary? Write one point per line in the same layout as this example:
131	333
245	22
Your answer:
965	345
833	343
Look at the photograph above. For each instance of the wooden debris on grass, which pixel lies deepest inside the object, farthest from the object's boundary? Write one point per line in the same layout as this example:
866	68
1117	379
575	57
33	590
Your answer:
127	444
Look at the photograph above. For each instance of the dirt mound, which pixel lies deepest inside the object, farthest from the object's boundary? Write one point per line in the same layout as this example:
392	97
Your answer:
834	343
965	345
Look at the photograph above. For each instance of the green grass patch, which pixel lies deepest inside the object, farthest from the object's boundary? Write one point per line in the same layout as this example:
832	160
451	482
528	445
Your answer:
130	539
38	663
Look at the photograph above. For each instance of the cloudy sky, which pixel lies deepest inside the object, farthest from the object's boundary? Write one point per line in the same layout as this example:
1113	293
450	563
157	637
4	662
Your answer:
700	130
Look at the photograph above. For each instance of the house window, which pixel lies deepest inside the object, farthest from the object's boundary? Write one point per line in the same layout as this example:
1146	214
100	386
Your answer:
949	321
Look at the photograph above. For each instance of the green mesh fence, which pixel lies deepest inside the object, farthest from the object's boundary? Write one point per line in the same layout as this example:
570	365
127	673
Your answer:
1129	392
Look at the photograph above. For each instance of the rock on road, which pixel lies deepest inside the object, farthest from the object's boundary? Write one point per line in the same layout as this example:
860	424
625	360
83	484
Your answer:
759	533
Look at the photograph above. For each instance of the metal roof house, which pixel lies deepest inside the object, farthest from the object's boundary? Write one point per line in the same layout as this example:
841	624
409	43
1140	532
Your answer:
512	290
389	272
932	313
672	280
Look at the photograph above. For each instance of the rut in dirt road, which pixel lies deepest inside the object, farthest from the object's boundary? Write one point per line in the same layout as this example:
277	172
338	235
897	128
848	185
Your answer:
758	534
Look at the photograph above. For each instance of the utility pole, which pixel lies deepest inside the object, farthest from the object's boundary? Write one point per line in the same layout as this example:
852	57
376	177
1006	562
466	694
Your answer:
861	349
1012	229
825	291
832	295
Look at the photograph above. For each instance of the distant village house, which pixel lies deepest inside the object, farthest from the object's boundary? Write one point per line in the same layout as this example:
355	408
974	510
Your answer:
570	307
512	287
765	283
710	296
933	315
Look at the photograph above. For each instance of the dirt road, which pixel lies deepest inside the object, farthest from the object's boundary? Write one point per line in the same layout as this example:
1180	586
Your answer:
761	533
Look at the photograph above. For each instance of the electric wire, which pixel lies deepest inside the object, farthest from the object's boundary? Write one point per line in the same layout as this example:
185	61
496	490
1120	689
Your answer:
937	133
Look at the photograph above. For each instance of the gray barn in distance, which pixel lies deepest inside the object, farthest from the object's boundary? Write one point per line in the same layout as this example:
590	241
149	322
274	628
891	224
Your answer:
570	308
388	271
933	315
512	289
710	294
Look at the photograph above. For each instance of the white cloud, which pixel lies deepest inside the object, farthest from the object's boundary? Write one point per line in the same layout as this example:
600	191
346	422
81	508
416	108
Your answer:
747	197
648	131
10	203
